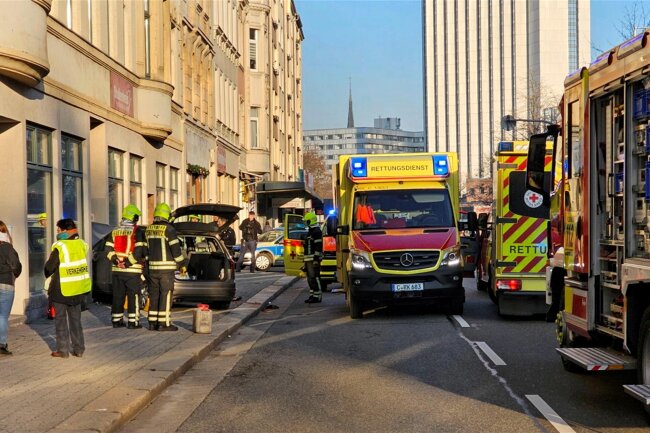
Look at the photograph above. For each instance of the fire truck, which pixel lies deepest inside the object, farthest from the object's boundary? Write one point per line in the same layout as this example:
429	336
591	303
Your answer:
397	234
599	276
513	274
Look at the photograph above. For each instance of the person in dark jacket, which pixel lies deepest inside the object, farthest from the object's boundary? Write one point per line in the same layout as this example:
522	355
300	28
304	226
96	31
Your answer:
165	256
250	229
312	258
227	235
10	269
67	267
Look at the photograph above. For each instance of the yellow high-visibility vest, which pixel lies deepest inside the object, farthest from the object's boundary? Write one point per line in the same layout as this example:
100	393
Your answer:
73	267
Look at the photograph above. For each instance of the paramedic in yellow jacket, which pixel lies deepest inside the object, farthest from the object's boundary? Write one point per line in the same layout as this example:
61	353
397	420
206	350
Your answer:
70	283
165	256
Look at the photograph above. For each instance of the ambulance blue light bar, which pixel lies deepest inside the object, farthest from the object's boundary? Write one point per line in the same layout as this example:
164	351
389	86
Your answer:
359	167
440	165
506	146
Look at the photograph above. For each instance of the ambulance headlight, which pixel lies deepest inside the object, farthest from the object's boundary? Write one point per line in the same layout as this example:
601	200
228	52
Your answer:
360	259
451	257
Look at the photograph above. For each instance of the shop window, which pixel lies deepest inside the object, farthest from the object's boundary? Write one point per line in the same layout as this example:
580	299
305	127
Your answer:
39	203
115	185
135	181
72	179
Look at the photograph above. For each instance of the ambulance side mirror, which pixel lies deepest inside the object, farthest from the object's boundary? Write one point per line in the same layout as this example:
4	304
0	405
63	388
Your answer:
483	221
472	221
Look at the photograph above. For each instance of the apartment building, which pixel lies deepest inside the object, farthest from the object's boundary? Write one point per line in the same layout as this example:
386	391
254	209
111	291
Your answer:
105	103
484	59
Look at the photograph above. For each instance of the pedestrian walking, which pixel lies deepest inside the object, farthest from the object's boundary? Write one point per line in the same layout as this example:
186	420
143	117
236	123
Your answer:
10	269
312	257
70	282
127	251
250	229
165	256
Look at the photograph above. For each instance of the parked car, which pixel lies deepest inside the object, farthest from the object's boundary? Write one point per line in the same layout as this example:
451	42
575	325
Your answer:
210	274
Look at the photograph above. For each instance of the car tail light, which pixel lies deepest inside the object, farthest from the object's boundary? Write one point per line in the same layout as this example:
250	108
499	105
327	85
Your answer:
292	243
511	285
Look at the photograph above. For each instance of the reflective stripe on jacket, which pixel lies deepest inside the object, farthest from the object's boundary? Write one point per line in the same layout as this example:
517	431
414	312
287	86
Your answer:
164	247
73	267
313	244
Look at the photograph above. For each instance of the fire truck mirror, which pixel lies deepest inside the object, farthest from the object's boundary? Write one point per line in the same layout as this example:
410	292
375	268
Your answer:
527	200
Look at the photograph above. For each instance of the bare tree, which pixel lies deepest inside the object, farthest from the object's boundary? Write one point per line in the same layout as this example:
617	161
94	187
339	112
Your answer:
635	19
314	164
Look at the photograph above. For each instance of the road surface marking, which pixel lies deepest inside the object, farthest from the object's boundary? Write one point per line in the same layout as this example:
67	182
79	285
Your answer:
461	321
560	425
496	360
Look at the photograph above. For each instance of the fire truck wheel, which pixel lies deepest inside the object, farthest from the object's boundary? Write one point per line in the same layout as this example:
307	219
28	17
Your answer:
643	349
564	339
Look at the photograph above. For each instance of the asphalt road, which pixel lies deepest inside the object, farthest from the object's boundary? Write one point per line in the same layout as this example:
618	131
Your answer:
309	368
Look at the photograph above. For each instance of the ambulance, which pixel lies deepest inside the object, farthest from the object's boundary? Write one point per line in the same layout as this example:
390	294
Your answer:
514	272
397	234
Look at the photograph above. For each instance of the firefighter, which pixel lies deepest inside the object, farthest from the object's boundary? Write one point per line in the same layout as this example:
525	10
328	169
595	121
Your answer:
312	258
127	250
165	256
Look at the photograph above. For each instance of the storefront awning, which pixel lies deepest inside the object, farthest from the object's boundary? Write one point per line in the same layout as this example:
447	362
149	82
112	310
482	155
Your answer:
269	191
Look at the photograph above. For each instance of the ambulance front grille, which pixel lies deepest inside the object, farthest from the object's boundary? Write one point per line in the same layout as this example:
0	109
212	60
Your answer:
397	260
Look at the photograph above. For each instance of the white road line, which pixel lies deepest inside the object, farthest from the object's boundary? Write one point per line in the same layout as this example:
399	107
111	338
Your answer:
496	360
560	425
461	321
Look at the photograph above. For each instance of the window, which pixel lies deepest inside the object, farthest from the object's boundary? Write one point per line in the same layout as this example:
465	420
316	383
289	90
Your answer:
252	48
160	183
39	203
173	188
72	179
135	183
115	185
147	40
254	127
195	188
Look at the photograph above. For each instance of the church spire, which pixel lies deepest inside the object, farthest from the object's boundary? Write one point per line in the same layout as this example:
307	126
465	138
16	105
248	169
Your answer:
350	115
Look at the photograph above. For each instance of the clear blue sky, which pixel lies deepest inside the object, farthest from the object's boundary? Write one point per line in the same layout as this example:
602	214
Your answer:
378	44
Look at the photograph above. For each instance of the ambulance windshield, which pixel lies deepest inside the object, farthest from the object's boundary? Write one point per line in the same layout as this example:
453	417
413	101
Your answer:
394	209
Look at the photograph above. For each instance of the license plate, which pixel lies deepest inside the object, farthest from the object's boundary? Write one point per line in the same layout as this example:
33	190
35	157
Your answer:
407	287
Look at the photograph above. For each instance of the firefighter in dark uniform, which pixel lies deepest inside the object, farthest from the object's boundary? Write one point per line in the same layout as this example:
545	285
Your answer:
127	250
312	258
165	256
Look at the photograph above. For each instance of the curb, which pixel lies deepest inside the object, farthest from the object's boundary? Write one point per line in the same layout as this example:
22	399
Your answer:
110	411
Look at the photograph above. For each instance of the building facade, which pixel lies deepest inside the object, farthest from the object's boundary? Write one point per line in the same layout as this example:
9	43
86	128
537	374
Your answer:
384	137
489	58
105	103
272	177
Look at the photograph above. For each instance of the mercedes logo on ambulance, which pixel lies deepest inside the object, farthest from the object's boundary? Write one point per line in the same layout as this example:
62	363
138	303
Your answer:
406	259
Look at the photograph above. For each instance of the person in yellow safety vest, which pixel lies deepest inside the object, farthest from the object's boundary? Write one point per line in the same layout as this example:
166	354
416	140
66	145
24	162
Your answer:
164	257
127	250
312	257
70	282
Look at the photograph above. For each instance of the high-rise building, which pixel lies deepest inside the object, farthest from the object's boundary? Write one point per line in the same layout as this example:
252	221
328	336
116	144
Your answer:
484	59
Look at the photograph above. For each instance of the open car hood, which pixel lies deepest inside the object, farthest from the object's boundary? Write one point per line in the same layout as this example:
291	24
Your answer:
225	211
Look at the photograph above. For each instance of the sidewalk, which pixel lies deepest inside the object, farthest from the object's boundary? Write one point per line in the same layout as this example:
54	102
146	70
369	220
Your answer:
120	373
